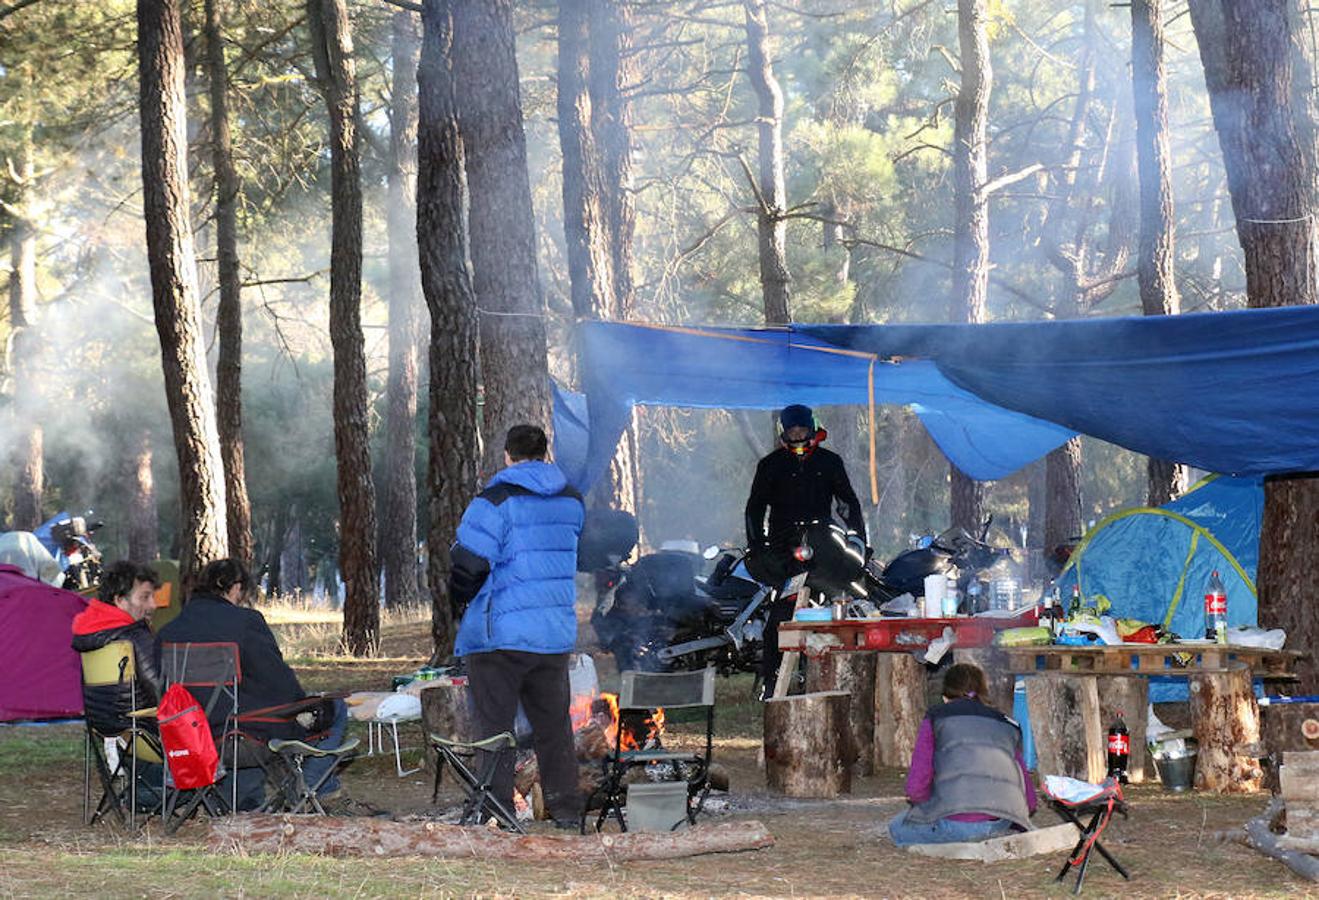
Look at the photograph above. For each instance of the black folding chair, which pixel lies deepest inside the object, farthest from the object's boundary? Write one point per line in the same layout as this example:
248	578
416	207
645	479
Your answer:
647	692
1100	808
480	804
211	672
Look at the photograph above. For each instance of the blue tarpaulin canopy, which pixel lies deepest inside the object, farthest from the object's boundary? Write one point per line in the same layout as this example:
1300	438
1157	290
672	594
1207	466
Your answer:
1234	392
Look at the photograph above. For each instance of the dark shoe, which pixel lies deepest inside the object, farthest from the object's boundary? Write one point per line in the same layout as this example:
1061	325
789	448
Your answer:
574	824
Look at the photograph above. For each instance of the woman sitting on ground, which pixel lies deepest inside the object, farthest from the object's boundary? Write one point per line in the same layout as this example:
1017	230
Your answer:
968	781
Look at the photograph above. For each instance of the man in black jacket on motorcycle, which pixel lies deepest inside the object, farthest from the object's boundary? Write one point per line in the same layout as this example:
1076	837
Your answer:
800	483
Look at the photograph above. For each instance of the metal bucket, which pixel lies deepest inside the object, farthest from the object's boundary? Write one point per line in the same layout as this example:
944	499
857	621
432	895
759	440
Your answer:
1178	772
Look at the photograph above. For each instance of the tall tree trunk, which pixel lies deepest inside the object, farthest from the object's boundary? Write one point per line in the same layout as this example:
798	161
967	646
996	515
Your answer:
1062	496
166	206
332	49
28	450
143	527
971	221
514	364
455	447
1268	148
1158	290
229	315
612	72
772	192
398	527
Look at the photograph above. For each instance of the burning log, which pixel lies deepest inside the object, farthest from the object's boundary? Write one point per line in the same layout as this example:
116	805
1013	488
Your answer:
363	837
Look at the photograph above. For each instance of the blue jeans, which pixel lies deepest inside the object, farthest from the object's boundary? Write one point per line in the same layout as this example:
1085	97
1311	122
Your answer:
252	780
944	831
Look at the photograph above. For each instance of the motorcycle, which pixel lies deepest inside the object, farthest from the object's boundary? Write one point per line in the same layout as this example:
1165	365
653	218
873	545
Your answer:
973	558
661	614
74	535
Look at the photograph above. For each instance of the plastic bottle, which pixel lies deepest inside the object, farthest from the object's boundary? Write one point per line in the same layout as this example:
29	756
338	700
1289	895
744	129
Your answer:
1075	606
950	597
1119	749
1049	612
1216	610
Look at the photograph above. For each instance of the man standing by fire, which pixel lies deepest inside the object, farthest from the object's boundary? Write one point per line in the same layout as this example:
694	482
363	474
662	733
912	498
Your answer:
512	586
799	485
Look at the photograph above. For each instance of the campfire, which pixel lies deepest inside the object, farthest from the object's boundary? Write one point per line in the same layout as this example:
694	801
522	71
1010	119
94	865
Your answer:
596	722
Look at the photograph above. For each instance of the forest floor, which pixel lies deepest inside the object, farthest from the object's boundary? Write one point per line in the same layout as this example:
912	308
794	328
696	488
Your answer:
837	848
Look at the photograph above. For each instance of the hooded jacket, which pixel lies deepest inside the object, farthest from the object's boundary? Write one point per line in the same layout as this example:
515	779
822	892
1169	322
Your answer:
107	706
515	560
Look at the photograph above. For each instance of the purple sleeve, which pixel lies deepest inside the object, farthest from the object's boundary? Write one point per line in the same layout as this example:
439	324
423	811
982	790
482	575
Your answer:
920	777
1031	800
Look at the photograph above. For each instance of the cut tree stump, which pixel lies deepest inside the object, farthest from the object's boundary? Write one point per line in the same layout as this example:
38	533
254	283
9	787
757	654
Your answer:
370	837
1225	719
1129	697
854	673
808	745
899	708
994	663
1064	720
446	710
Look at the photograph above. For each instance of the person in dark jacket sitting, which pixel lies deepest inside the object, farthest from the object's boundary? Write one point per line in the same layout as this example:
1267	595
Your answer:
125	600
213	614
968	781
512	583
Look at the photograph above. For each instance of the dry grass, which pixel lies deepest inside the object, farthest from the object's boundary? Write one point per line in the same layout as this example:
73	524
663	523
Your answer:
823	848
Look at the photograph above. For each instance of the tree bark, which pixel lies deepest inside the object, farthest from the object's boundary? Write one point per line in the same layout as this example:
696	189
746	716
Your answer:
1062	506
899	707
455	451
143	527
229	315
1268	148
514	362
971	215
612	70
374	838
1154	270
808	745
853	673
166	206
771	190
398	511
1225	718
1064	720
332	50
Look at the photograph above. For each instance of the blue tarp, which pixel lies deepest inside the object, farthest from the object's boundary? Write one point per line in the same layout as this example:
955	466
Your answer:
1234	392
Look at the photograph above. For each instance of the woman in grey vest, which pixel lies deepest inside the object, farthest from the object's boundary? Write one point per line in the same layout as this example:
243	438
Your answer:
967	781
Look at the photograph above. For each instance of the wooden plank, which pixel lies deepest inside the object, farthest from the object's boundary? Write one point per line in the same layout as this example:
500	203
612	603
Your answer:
1020	845
1302	818
787	672
1225	719
1064	716
899	698
1298	783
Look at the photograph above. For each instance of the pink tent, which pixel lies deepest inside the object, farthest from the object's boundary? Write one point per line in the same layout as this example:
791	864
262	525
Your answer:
39	671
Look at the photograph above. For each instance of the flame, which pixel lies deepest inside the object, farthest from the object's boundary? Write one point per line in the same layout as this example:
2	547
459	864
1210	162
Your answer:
654	725
580	711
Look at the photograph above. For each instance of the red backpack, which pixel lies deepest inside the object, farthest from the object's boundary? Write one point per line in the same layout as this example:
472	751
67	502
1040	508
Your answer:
186	737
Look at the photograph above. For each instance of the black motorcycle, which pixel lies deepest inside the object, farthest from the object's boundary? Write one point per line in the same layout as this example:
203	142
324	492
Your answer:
976	562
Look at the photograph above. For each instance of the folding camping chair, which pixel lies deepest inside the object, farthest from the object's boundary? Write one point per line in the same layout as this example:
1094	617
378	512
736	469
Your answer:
648	691
113	666
211	673
1099	806
481	804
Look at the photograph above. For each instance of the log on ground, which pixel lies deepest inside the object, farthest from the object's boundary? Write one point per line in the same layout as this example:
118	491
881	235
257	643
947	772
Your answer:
1225	719
854	673
364	837
808	745
1255	834
899	707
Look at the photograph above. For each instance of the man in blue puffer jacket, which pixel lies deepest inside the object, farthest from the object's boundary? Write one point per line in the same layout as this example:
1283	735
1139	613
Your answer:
512	584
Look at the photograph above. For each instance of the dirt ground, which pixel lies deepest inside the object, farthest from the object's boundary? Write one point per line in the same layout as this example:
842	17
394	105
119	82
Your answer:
837	848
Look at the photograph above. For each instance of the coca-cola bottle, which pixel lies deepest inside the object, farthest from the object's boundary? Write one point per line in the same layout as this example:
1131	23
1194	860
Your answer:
1216	610
1119	749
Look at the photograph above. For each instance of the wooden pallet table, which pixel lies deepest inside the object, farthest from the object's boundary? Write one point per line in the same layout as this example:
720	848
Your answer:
1074	692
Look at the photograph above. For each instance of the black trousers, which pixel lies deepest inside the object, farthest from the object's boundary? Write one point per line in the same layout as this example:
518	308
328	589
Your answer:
780	611
500	679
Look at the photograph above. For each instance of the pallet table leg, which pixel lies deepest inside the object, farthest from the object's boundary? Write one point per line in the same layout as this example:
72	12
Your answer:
1128	696
1225	719
899	707
1064	716
853	672
787	672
